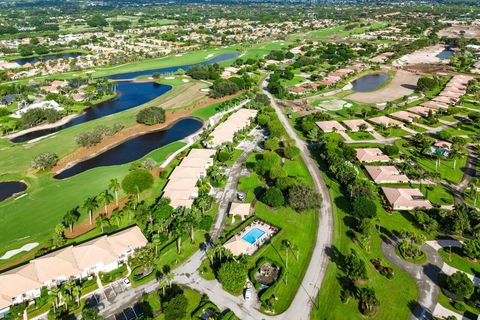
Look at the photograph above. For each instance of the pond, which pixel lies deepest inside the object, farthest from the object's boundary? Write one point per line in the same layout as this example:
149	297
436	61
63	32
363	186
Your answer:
129	95
135	148
47	57
445	54
9	188
135	74
369	82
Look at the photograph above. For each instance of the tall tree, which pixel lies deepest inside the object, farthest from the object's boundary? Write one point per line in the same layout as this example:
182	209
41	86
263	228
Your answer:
71	217
91	204
105	197
115	187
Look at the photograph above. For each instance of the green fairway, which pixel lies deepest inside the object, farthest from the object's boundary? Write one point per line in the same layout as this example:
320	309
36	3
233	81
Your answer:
33	217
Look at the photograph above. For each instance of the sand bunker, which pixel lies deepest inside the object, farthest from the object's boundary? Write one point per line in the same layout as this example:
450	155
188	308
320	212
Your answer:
334	105
428	55
403	84
11	253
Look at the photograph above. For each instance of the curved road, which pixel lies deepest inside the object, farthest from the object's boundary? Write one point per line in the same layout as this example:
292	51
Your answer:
301	305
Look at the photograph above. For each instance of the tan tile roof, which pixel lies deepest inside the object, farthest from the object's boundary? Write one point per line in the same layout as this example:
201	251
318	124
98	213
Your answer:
330	126
237	245
406	199
239	209
68	262
386	174
371	155
225	131
389	122
354	125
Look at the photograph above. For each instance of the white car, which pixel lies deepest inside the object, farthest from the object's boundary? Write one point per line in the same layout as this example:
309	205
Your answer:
248	294
126	281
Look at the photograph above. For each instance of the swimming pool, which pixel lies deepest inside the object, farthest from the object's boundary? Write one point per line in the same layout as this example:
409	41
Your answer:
253	235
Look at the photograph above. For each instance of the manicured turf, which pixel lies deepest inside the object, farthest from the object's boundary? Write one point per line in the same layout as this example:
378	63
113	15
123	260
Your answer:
455	258
360	135
445	169
394	295
290	223
33	217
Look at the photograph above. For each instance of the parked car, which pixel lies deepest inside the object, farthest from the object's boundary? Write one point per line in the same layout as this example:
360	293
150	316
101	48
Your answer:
126	281
248	294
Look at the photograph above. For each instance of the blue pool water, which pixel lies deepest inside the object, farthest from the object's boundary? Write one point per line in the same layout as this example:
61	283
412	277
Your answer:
253	235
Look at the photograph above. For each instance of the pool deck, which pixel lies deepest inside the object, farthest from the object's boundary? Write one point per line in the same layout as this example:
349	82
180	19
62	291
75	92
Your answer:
238	245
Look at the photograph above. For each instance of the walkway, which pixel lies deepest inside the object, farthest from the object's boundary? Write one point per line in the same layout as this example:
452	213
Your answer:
425	275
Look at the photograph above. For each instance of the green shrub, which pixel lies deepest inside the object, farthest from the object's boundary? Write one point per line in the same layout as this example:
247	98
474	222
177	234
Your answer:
151	116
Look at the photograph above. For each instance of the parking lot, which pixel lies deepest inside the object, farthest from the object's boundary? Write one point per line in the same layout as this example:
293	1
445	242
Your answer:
114	289
130	313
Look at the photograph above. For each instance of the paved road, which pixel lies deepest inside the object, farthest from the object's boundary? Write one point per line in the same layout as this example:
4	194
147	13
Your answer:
302	303
425	275
231	187
312	281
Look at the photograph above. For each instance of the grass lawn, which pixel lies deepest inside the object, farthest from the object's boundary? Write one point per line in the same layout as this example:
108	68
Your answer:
33	217
296	80
193	298
469	313
289	222
445	169
393	132
360	135
455	258
394	295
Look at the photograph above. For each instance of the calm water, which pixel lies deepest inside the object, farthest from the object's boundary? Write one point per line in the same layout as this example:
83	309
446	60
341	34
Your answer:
130	95
445	54
9	188
132	75
48	57
136	148
369	82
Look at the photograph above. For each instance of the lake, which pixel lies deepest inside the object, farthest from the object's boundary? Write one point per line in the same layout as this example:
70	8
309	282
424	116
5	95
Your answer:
136	148
369	82
135	74
47	57
9	188
129	95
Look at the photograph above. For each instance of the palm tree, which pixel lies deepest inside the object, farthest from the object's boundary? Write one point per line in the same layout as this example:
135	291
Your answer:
71	217
91	204
169	278
163	285
156	241
116	217
192	219
101	220
286	246
106	198
130	207
54	297
115	187
76	293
